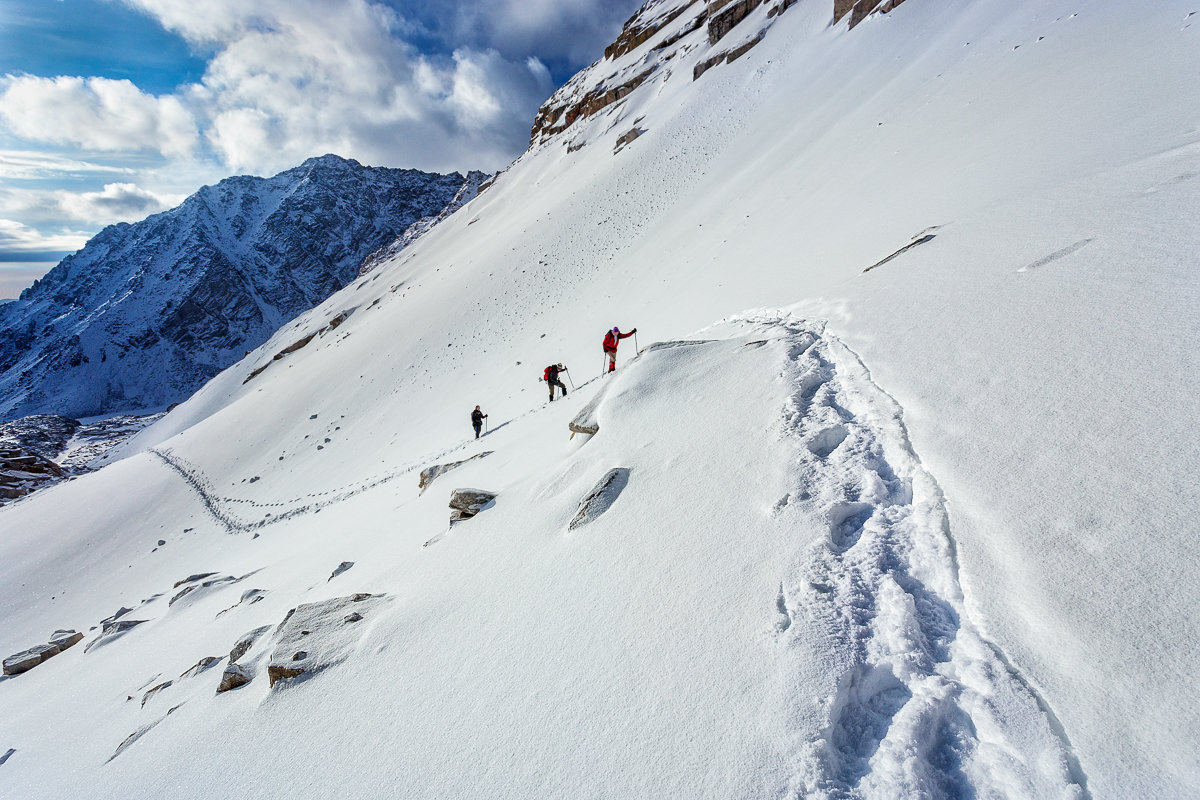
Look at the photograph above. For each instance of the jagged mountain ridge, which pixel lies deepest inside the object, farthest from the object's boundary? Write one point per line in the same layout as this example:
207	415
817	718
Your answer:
147	312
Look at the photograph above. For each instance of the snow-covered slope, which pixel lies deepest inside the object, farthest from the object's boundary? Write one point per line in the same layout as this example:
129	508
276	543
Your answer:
145	313
924	530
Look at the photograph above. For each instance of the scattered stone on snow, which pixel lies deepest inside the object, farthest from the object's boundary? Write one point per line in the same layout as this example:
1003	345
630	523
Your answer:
201	587
205	663
5	757
122	611
342	567
601	497
466	503
430	473
154	690
192	578
249	597
316	636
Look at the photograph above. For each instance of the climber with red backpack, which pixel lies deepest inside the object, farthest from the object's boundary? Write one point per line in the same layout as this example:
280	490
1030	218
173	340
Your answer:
611	340
550	376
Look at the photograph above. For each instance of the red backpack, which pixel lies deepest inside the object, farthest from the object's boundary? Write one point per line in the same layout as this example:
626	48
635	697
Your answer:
546	374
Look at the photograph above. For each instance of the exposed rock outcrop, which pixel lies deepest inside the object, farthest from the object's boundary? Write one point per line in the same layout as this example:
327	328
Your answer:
861	9
466	503
340	568
316	636
22	472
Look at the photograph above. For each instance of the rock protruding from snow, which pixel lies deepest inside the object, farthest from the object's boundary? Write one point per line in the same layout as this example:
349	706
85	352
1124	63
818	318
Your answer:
62	639
233	677
194	589
316	636
429	474
22	472
586	421
26	660
203	664
601	497
112	629
247	641
466	503
342	567
861	9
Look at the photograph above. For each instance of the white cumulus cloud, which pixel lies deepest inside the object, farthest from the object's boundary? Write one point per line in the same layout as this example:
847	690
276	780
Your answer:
96	114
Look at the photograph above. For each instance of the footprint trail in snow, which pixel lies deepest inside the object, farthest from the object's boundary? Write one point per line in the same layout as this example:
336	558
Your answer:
923	705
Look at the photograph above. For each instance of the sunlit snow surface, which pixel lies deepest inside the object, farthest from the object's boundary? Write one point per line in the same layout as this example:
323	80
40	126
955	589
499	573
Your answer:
927	531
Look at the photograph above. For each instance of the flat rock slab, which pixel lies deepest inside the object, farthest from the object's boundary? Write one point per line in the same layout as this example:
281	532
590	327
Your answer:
28	659
601	497
65	638
316	636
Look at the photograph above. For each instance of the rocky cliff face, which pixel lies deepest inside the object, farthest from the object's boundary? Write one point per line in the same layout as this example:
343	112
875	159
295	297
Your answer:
662	36
145	313
465	194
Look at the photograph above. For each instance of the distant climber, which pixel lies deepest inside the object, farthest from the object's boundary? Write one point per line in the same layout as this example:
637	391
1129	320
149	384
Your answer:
611	340
477	418
550	376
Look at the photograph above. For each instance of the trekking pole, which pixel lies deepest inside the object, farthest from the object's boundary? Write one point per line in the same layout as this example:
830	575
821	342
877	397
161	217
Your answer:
572	380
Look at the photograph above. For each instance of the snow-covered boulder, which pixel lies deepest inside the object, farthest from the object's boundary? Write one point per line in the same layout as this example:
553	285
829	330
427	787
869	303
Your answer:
316	636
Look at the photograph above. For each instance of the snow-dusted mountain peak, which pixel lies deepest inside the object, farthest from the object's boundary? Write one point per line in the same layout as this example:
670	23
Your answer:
147	312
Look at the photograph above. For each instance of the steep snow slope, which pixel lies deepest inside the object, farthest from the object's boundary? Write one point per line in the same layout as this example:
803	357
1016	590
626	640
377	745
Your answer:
931	538
147	312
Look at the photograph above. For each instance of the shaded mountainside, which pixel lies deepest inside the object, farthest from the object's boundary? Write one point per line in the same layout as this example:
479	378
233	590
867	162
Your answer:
146	312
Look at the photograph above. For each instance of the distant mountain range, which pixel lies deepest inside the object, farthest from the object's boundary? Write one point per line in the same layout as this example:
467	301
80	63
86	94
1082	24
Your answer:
147	312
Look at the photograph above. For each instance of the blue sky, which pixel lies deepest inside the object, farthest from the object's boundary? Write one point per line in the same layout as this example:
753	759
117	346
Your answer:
111	110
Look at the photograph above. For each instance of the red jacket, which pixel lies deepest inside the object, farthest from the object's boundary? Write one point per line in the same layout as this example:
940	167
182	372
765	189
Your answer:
610	341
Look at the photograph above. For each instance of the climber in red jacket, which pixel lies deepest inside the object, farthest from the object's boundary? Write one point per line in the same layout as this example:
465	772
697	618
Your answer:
611	340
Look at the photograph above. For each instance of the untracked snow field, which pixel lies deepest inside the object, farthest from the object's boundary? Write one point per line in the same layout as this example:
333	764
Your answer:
922	530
